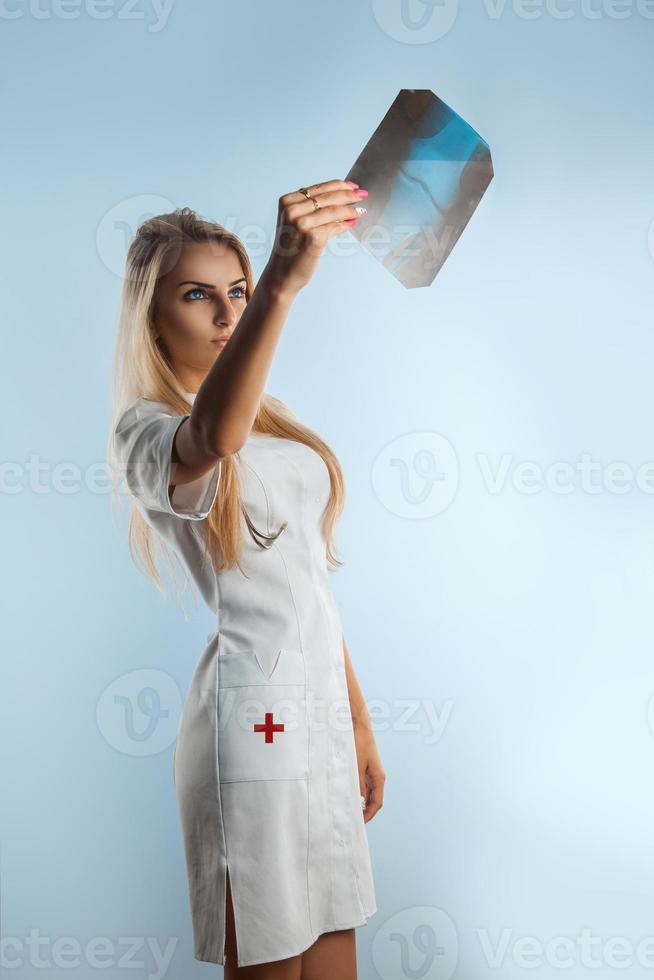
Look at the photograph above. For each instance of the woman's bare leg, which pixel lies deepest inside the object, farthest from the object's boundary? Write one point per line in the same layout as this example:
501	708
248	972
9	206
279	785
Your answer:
286	969
333	955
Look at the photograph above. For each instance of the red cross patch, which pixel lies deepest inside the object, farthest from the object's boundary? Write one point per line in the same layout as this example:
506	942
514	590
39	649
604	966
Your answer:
268	727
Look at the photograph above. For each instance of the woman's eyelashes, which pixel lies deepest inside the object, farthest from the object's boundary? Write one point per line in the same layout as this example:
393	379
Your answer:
189	296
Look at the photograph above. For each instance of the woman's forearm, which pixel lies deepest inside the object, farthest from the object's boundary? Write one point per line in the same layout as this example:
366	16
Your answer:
358	707
228	399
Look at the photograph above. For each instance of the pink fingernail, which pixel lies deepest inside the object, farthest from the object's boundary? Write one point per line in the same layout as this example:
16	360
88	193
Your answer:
362	193
350	183
351	221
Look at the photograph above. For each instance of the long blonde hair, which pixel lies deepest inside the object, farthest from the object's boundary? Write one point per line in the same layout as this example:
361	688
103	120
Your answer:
141	369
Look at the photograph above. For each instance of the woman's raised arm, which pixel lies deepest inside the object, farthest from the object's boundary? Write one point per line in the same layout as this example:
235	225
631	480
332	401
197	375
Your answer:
228	399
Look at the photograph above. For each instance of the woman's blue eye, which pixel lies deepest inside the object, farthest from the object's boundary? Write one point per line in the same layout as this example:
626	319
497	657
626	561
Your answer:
189	295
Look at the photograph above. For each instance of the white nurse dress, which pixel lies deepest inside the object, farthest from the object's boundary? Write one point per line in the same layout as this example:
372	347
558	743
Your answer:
265	765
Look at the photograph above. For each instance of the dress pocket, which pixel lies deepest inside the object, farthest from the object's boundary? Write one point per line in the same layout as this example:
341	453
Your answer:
262	717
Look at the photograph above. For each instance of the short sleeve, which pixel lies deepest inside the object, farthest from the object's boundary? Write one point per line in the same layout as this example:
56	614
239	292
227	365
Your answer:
143	443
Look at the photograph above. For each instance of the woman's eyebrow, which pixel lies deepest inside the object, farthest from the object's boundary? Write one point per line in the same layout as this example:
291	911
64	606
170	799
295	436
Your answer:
207	285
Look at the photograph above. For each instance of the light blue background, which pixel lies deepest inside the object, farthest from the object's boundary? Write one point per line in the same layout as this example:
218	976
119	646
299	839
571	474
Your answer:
523	620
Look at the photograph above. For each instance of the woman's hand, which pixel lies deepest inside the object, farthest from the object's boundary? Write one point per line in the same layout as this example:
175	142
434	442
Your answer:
371	772
303	232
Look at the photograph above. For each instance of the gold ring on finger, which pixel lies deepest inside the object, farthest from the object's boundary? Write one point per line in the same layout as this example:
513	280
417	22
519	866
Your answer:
308	196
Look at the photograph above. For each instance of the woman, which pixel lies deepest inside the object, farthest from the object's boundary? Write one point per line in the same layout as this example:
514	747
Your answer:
275	756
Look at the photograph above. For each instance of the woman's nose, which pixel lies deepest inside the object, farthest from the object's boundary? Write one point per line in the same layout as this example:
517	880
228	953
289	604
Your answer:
225	314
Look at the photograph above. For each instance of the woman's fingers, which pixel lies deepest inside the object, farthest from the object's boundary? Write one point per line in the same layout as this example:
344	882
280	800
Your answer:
329	195
303	230
324	216
374	795
316	190
334	206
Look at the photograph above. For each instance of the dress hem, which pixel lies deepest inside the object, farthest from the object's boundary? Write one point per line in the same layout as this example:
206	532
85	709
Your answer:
206	958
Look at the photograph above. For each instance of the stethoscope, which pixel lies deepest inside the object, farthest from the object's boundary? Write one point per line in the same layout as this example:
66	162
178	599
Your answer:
267	539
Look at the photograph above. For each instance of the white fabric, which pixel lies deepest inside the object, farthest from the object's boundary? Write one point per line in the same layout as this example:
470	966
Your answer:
281	808
146	432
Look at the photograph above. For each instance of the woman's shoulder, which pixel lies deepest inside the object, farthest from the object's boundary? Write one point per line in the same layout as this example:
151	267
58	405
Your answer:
142	408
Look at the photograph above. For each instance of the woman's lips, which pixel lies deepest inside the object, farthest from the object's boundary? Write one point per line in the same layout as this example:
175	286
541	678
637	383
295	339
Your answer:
221	341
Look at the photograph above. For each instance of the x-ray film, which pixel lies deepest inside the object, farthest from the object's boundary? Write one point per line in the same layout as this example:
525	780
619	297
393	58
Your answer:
426	171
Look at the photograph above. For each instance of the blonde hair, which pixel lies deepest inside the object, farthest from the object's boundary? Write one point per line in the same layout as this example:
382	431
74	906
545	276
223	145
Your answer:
141	369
